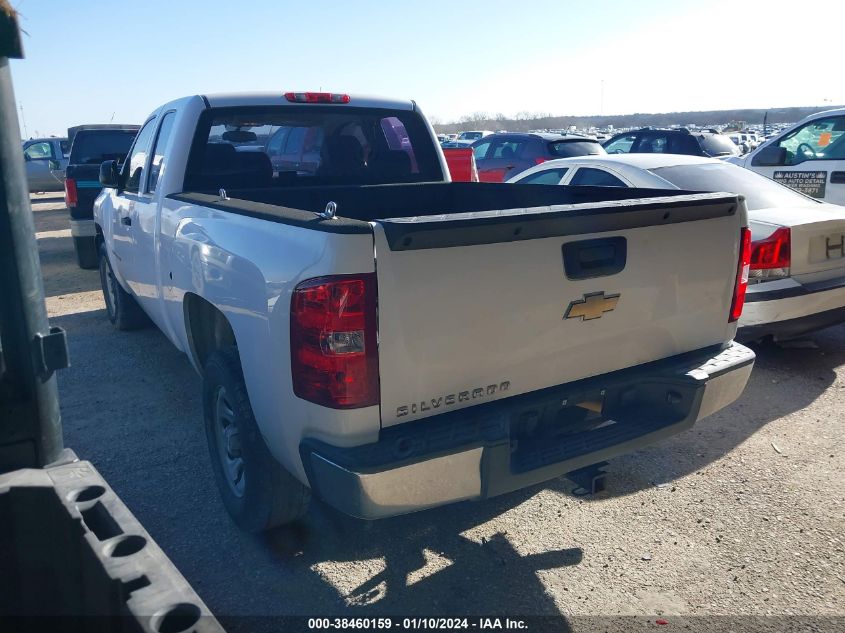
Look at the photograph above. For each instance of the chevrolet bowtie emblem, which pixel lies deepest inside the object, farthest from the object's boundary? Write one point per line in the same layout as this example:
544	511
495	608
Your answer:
592	306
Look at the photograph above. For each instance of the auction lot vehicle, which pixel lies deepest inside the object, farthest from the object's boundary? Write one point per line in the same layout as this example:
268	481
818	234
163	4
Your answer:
797	273
367	330
461	163
808	157
651	140
91	145
503	155
470	136
45	159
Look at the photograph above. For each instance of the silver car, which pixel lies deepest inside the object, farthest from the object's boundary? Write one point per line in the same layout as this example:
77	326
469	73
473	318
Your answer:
46	159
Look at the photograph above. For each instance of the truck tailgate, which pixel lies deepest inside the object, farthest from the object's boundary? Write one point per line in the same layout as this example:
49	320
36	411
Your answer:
473	307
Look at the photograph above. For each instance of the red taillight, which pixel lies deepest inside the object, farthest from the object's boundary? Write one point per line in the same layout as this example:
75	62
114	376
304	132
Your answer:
316	97
70	192
540	160
771	252
334	352
742	270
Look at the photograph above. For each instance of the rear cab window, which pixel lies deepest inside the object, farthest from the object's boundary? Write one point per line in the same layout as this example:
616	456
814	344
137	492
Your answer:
268	146
92	147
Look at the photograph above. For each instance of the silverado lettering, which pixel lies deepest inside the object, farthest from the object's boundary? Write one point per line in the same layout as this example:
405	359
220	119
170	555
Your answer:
462	396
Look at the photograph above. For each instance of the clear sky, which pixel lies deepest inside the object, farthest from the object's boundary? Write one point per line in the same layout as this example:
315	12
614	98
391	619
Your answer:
90	60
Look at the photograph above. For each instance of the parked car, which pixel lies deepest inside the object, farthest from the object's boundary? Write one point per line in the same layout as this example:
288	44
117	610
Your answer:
377	386
461	162
797	268
502	156
46	159
90	146
472	135
672	141
808	157
742	143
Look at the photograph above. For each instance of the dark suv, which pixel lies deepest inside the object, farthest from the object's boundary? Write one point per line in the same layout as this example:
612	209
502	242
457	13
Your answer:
501	156
672	141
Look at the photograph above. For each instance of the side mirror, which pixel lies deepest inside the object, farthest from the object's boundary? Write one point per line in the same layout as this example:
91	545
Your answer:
54	165
109	174
26	157
770	156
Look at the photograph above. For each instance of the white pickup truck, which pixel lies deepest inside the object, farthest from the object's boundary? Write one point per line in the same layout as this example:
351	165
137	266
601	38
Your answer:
391	341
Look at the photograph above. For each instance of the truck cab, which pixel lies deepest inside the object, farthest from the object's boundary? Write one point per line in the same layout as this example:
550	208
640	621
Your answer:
808	157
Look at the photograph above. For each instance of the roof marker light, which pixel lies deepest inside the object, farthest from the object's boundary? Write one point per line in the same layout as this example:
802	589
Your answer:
316	97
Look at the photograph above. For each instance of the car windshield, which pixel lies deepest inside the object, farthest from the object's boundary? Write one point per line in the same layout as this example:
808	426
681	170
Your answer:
718	145
92	147
565	149
470	136
759	191
249	147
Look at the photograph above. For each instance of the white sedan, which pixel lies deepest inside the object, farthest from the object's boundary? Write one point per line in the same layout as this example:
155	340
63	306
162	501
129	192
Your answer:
797	277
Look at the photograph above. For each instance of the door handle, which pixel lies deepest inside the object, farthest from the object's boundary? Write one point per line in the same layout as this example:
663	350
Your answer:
837	177
126	220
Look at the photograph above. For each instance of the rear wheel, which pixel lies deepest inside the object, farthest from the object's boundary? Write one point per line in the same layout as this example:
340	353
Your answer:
256	490
122	309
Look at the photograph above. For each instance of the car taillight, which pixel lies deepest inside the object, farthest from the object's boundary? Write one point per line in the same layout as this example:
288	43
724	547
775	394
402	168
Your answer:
540	160
316	97
334	351
70	192
742	267
770	256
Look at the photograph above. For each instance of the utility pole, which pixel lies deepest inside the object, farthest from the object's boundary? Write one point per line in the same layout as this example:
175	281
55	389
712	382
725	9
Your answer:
23	120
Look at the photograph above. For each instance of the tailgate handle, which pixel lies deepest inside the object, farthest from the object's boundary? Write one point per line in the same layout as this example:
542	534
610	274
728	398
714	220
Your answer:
588	259
837	177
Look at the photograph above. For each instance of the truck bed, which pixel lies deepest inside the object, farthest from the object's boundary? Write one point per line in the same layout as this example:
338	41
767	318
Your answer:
475	289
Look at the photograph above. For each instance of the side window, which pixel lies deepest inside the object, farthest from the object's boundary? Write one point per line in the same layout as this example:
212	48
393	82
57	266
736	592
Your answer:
39	151
480	150
507	149
274	147
294	141
821	139
158	151
589	177
621	145
547	177
651	143
133	166
684	144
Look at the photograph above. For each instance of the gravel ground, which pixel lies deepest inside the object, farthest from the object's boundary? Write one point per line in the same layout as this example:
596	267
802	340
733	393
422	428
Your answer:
740	516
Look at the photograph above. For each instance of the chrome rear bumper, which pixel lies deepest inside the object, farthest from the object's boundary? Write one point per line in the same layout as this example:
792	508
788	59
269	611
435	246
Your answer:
473	454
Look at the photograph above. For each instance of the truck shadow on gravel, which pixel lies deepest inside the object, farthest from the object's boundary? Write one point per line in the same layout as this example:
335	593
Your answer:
430	566
784	380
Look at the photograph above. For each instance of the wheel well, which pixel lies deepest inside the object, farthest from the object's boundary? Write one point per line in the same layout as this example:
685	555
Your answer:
98	239
207	327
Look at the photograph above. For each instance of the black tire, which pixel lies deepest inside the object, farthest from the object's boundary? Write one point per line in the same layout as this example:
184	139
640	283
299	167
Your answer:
122	309
87	254
265	495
